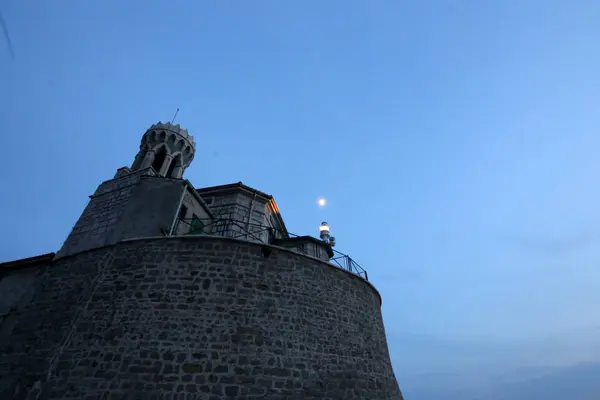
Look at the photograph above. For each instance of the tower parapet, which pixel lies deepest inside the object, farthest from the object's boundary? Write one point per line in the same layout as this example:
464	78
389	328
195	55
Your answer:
169	149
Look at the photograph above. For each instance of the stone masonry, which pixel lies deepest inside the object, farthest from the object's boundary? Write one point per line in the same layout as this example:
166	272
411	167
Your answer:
251	209
197	317
164	291
104	212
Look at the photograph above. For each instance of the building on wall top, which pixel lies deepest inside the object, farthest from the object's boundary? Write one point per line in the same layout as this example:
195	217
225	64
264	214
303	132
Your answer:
239	203
152	198
160	280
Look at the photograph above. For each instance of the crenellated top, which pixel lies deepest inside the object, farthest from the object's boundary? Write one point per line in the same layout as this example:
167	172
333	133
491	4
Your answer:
167	126
167	148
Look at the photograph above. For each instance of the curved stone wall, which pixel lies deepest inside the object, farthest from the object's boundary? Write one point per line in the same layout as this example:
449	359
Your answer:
198	317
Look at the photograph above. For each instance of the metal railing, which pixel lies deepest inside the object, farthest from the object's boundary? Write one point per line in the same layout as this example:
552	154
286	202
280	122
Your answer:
236	229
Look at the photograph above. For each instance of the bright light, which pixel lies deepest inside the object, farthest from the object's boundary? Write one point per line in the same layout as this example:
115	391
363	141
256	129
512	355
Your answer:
321	202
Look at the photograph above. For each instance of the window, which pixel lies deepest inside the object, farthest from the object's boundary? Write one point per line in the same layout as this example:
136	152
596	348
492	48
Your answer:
180	218
159	158
171	169
271	235
197	227
175	162
182	211
274	226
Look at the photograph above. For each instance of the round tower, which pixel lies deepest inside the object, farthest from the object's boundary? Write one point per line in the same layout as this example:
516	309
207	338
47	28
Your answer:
201	317
167	148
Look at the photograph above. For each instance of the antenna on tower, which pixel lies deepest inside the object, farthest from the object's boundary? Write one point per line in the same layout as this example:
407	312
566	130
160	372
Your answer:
175	116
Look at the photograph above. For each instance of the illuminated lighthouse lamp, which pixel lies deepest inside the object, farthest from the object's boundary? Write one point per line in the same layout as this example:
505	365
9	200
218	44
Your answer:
324	234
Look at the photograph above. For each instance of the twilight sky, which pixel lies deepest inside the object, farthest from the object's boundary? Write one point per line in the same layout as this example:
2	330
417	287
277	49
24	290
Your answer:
457	143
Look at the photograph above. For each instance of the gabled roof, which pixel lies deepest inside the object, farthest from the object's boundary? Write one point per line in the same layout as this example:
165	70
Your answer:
233	186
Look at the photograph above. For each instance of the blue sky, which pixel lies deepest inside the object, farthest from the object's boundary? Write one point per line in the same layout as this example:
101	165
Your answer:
456	142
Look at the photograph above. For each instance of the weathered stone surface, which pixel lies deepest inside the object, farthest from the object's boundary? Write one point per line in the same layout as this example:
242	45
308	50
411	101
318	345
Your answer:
100	220
197	317
135	205
248	212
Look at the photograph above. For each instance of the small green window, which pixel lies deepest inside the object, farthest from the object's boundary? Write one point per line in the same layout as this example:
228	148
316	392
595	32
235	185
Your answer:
196	226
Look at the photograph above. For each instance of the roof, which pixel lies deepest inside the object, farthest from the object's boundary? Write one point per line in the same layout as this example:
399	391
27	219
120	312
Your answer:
199	198
29	262
239	185
233	186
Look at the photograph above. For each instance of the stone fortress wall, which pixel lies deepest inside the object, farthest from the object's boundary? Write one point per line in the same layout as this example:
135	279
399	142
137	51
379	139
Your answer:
130	309
198	317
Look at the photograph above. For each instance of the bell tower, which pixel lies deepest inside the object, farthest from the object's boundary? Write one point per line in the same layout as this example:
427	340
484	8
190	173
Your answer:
137	201
168	149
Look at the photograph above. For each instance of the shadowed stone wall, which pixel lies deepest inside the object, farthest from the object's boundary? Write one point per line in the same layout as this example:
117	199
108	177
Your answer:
101	217
135	205
197	317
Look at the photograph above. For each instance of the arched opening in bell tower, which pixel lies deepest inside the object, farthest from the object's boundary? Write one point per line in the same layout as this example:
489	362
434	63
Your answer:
159	158
139	159
173	171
